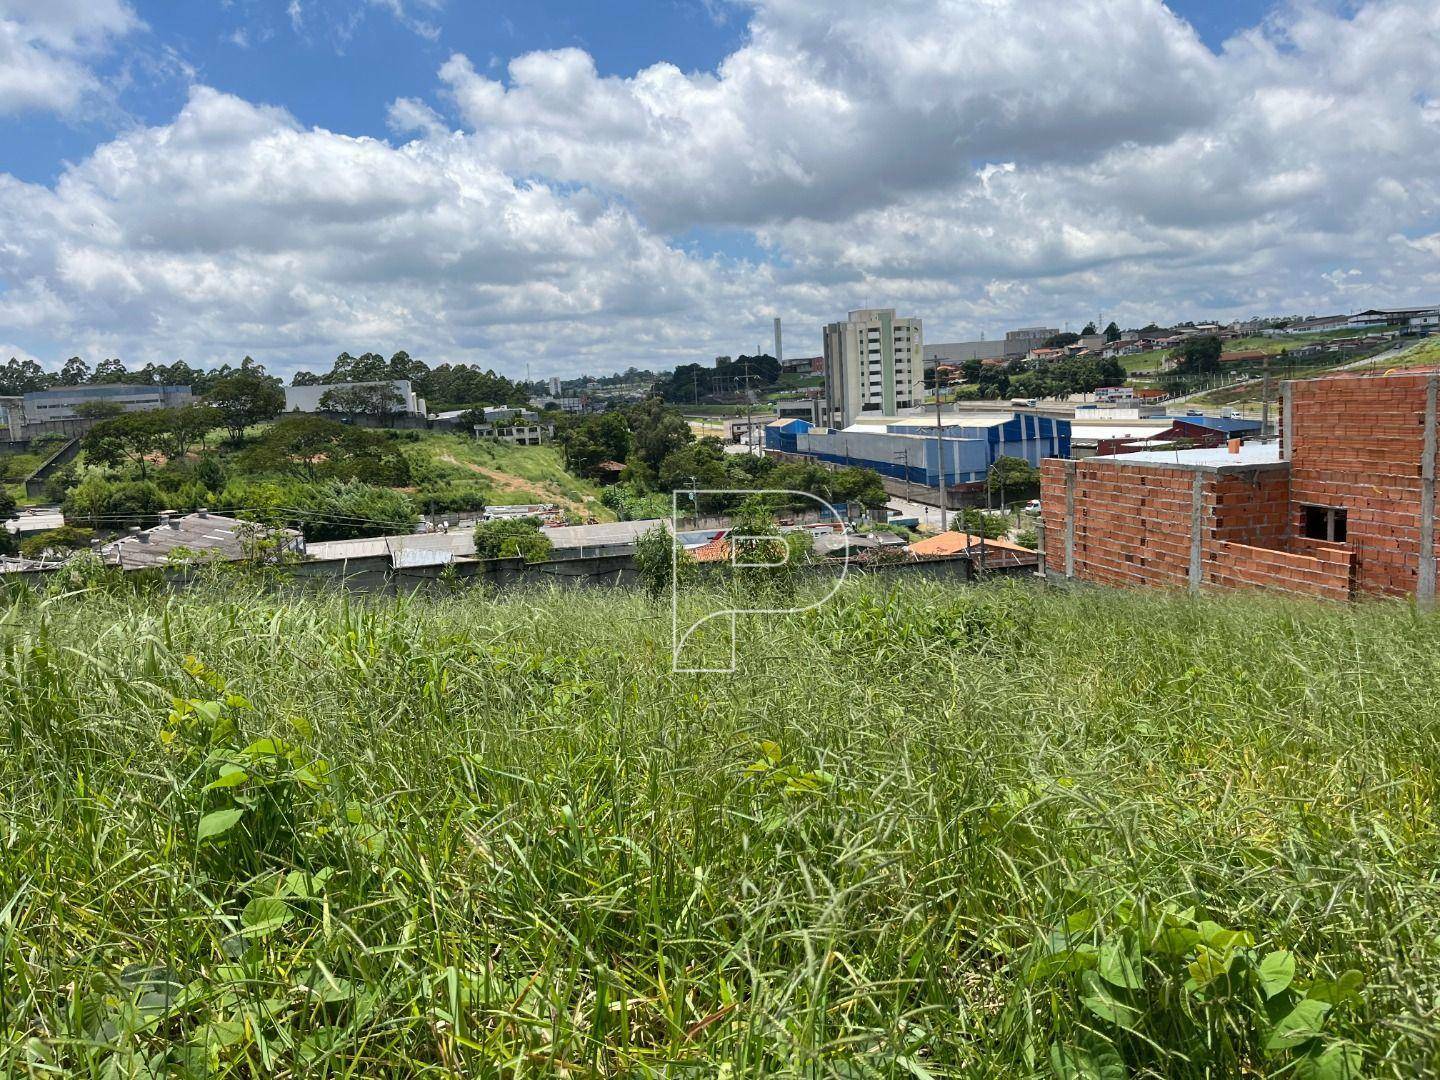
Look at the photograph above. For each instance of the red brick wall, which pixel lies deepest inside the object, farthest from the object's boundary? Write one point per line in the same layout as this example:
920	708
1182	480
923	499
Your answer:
1133	527
1241	566
1358	444
1132	524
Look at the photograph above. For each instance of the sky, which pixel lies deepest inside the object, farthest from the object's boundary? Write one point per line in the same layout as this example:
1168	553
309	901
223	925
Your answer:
562	186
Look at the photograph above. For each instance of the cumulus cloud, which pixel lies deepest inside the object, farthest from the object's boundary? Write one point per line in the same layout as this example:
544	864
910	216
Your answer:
234	229
980	163
47	46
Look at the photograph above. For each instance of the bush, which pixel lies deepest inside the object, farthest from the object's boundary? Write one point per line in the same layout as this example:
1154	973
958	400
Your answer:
661	563
330	510
7	504
509	538
61	481
98	502
59	541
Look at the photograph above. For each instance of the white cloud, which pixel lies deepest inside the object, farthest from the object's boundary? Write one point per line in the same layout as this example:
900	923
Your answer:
981	163
47	46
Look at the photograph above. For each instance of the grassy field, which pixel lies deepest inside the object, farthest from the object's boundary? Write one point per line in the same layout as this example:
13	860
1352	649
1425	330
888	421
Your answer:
502	473
987	832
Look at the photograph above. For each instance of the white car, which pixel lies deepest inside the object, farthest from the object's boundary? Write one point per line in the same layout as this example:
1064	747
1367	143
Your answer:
1033	506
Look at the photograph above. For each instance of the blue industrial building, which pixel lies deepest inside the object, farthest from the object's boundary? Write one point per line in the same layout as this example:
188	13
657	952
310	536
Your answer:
906	448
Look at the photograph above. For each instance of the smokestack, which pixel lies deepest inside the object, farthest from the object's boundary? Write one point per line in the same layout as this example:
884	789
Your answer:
779	350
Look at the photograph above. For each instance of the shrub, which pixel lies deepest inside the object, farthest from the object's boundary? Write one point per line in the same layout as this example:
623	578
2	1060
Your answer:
661	563
509	538
55	542
7	504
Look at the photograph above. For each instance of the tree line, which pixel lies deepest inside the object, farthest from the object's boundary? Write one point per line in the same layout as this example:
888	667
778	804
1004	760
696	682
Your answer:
443	385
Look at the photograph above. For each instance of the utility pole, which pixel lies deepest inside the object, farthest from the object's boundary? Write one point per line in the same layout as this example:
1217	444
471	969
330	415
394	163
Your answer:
940	456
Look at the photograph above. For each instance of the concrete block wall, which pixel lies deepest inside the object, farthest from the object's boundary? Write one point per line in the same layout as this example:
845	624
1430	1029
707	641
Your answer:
1361	444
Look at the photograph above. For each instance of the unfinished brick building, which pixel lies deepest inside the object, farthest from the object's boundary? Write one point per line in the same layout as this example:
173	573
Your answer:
1343	504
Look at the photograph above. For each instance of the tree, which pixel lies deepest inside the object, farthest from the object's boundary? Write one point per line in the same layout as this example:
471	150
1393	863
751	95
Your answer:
1060	341
98	410
373	399
1112	332
1089	330
184	428
586	441
76	372
131	437
1198	355
1011	473
109	370
7	505
244	398
510	538
700	464
657	431
312	447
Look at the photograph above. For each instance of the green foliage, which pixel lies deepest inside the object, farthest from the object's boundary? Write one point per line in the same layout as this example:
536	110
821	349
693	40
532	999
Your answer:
632	504
992	526
586	441
1013	477
656	432
245	398
1197	355
325	510
314	448
510	538
129	438
373	399
97	502
7	504
943	832
691	382
98	410
662	564
56	542
1174	989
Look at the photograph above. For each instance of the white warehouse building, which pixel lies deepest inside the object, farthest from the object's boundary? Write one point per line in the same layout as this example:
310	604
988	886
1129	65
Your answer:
306	399
60	403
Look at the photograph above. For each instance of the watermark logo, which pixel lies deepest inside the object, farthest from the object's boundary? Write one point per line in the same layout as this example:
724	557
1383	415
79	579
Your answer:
742	552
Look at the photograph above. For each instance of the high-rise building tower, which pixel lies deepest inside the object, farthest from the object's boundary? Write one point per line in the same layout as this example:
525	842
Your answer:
873	363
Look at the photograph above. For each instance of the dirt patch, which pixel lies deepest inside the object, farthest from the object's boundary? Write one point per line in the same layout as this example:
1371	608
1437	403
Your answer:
540	491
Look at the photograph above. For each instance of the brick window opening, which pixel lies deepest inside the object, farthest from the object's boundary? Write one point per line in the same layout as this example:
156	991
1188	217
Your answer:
1324	523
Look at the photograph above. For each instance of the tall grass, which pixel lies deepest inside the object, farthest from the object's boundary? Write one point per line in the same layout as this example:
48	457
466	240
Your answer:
979	833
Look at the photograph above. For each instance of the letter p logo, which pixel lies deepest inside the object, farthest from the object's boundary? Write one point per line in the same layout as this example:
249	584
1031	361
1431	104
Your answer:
743	552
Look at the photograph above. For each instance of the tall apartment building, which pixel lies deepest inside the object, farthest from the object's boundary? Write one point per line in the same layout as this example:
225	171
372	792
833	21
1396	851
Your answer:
874	362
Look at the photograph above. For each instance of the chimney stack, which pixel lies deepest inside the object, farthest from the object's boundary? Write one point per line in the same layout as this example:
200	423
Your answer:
1234	446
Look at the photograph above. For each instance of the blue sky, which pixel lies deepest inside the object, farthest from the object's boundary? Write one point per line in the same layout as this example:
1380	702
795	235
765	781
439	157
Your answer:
512	182
341	64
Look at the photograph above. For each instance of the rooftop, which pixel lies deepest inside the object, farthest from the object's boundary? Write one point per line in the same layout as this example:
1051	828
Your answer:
200	534
954	543
1252	455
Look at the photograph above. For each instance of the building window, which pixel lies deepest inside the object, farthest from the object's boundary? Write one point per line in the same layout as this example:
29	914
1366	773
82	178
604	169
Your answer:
1325	523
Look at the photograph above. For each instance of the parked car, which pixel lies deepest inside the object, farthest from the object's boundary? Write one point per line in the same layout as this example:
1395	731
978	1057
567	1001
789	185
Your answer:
1033	506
